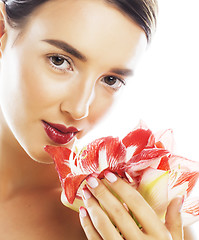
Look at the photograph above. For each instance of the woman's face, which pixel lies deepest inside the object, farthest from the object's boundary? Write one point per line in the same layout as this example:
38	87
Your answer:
66	67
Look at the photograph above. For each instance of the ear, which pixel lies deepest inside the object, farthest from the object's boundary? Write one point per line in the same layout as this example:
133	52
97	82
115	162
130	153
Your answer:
2	27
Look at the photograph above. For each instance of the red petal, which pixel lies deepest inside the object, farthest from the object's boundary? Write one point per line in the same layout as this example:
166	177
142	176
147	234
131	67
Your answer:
103	153
138	138
115	152
190	177
147	158
148	154
89	156
164	164
60	156
159	144
71	185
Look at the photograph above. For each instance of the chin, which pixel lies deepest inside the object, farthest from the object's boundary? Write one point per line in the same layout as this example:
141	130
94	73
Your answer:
39	155
43	160
35	150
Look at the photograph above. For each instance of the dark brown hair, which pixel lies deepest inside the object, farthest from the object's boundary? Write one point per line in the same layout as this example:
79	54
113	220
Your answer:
143	12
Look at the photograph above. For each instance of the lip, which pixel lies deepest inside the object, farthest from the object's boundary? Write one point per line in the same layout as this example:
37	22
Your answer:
58	133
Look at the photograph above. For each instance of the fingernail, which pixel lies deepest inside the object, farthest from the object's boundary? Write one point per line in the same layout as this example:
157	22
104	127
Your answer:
82	212
110	177
92	182
86	194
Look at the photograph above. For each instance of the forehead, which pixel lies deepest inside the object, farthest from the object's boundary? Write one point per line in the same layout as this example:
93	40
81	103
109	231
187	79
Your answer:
94	27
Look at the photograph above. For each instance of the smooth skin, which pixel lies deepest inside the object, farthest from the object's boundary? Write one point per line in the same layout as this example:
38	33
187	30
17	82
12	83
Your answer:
74	85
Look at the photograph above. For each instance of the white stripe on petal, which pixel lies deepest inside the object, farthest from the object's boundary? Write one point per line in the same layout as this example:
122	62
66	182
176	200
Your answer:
103	163
130	151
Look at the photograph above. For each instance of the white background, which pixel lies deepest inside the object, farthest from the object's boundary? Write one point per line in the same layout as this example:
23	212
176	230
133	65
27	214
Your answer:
165	90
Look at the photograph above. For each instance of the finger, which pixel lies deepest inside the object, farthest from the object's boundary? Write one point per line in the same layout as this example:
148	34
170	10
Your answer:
137	204
100	220
87	225
115	209
173	218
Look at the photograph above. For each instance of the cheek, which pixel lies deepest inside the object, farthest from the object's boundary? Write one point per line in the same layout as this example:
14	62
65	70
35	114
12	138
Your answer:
35	84
24	90
102	103
34	88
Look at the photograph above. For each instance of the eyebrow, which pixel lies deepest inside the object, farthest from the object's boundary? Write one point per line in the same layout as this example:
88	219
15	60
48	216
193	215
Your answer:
66	48
123	72
76	53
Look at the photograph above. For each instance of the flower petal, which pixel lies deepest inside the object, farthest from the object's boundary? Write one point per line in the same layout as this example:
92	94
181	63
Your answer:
60	156
136	141
76	204
154	188
179	190
188	219
71	185
177	162
191	206
147	157
88	158
165	139
105	153
190	211
164	164
190	177
115	155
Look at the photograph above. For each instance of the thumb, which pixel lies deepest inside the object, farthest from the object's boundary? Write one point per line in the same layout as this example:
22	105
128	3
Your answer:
173	219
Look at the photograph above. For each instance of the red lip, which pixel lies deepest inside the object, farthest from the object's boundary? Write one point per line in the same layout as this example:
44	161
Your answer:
58	133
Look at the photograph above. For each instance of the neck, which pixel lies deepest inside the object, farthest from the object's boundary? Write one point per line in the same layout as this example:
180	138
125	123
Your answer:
18	172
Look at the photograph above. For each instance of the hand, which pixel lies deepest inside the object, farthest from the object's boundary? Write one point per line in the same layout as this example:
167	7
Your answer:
101	206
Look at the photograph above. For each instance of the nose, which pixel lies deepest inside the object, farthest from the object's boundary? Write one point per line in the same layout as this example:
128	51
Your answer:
79	98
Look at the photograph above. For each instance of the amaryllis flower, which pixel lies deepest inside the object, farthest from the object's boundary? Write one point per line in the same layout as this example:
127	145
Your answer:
167	177
73	168
144	159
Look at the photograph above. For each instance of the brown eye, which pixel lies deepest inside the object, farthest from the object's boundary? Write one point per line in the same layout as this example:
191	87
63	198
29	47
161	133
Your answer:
57	60
110	80
60	63
113	82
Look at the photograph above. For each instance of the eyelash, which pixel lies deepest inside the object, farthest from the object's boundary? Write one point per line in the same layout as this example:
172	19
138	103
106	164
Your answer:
119	80
66	60
69	63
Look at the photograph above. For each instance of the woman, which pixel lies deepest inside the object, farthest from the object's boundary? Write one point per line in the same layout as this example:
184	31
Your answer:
62	64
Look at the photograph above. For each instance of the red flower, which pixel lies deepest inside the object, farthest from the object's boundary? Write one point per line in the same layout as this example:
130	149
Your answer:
144	159
102	154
